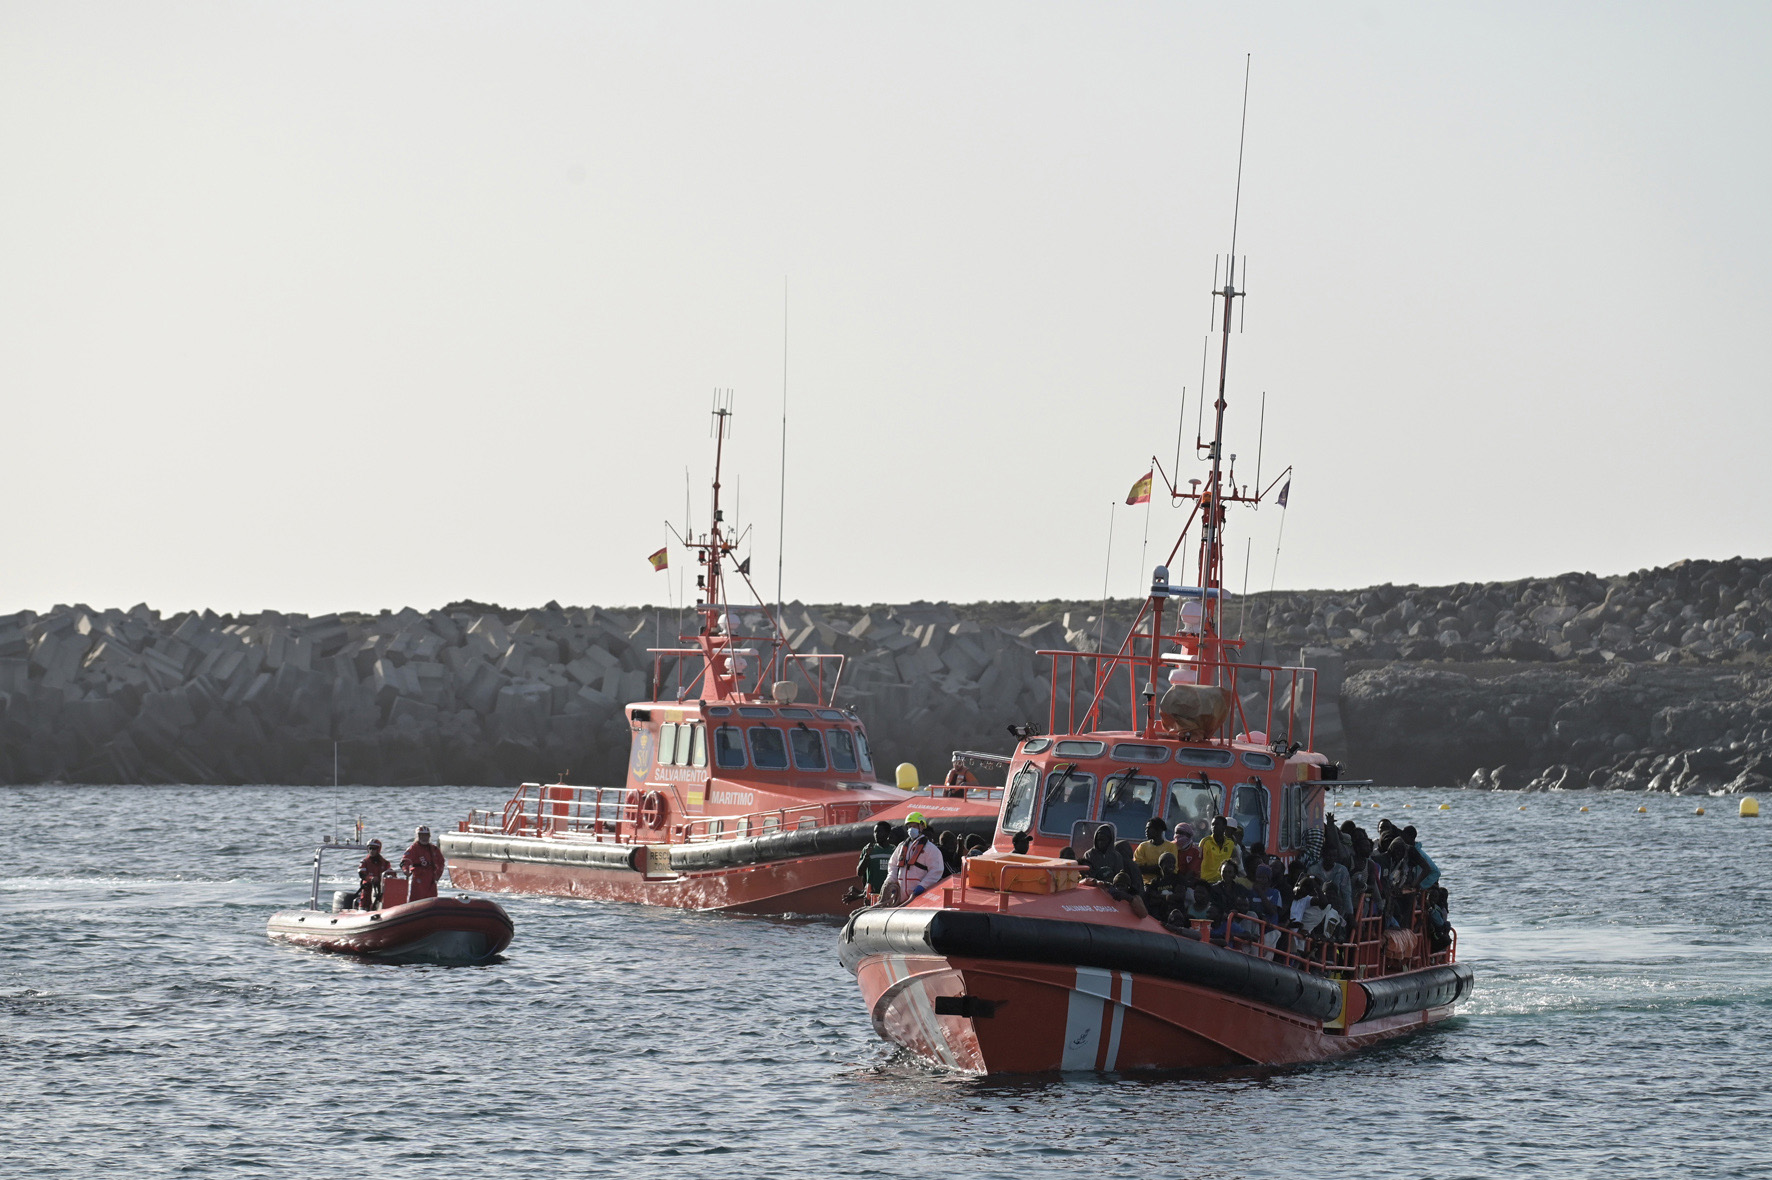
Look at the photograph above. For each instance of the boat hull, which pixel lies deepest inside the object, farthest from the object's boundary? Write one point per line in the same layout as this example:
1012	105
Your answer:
798	871
991	1016
809	885
445	930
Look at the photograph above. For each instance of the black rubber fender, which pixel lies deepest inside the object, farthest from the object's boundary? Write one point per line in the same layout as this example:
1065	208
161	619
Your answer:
980	935
791	844
1417	991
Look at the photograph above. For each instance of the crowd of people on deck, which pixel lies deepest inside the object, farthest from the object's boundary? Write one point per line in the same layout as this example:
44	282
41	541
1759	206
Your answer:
1210	884
1341	878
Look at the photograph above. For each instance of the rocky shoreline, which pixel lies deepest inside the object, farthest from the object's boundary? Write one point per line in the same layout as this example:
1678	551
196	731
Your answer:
1656	680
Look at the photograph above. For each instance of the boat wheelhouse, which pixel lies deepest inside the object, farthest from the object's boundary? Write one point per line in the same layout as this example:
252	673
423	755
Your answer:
748	788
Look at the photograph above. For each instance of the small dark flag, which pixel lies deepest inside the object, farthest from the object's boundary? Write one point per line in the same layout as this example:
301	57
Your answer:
744	567
1284	493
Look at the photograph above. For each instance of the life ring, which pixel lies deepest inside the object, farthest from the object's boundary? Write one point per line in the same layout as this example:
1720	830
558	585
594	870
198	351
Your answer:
652	809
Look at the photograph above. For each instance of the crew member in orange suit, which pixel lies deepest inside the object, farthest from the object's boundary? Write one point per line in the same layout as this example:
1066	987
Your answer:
423	863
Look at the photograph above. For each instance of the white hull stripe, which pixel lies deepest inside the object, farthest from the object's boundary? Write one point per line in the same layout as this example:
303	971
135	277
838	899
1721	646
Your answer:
1097	1008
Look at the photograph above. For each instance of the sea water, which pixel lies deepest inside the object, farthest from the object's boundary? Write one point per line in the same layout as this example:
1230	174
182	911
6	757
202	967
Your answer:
1621	1024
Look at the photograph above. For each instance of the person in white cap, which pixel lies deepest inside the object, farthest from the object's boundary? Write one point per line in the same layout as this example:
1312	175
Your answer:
916	865
423	863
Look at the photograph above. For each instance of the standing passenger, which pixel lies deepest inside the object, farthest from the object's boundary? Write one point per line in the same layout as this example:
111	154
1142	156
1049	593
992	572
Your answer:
424	864
1216	850
915	866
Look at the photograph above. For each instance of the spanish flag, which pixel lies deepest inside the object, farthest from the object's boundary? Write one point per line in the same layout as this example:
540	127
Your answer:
1141	491
659	560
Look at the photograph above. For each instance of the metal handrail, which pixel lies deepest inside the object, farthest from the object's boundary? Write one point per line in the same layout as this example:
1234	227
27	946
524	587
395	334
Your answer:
1115	659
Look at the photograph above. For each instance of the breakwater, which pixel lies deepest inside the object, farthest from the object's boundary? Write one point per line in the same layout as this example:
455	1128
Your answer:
1653	680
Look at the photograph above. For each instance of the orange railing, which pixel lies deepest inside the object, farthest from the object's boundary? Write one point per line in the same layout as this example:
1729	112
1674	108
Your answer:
1104	668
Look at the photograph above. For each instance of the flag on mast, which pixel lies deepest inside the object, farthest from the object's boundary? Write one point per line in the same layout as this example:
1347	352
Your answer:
660	560
1284	492
1141	491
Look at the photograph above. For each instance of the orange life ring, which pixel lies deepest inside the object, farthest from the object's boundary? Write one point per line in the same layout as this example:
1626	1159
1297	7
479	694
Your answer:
652	809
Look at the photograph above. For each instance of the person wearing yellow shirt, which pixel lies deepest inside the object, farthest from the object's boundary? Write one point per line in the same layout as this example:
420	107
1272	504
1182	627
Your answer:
1156	843
1217	849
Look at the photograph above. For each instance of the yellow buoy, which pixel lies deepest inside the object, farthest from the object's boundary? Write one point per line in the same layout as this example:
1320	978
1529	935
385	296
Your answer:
1448	807
1522	807
1408	805
1698	811
908	779
1642	810
1356	802
1750	808
1584	809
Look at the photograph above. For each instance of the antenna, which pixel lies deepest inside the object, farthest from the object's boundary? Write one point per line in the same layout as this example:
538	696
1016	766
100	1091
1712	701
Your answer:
1180	424
781	523
1242	131
1260	438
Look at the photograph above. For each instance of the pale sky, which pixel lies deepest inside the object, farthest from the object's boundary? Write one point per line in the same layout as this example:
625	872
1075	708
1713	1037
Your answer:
344	306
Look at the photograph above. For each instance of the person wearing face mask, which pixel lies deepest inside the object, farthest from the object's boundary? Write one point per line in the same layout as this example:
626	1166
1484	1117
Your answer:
916	864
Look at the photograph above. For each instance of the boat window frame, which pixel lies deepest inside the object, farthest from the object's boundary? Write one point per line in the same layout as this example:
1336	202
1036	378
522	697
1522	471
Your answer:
1032	795
1212	785
1267	811
756	712
738	747
667	744
751	743
862	753
1036	745
1047	785
846	737
817	738
698	745
796	713
1059	750
1121	753
1157	794
831	715
718	710
1195	756
1256	760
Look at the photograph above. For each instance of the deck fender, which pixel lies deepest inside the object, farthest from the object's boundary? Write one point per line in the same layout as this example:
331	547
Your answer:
792	844
1417	991
531	850
918	931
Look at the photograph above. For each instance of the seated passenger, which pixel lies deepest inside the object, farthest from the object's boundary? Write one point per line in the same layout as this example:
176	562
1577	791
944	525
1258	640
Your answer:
1104	861
949	843
1427	872
369	874
975	844
1156	846
1020	843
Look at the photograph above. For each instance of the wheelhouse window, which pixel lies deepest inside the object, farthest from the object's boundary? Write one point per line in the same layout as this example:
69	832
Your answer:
832	715
1066	802
1018	808
1195	757
728	747
861	751
698	748
1192	802
769	750
796	714
1258	761
1138	752
842	750
1249	811
755	711
1035	745
1291	815
1127	802
667	743
808	748
1079	749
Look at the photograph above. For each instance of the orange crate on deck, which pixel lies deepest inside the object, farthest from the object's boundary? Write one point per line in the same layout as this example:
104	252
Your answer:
1011	873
